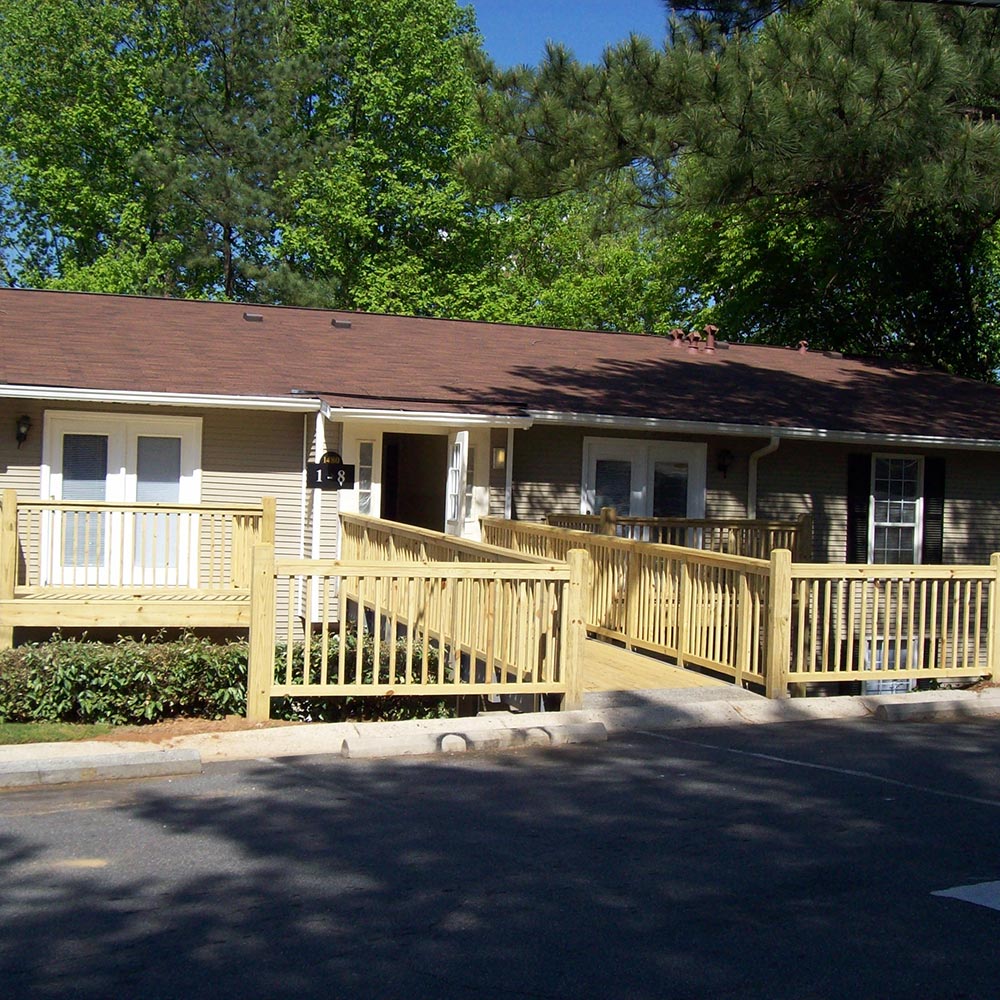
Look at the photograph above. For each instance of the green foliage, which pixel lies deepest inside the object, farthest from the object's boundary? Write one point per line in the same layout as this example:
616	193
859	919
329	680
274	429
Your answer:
385	216
572	262
830	175
299	151
131	682
128	682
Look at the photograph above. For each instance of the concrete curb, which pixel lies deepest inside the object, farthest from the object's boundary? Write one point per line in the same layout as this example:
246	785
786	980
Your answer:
953	710
52	763
99	767
473	737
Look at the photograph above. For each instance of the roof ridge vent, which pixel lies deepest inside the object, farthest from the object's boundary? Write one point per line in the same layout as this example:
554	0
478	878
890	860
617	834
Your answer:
340	324
253	317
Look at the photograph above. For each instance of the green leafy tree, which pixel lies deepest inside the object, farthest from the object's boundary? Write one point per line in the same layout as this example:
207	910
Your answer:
578	261
290	151
73	90
385	215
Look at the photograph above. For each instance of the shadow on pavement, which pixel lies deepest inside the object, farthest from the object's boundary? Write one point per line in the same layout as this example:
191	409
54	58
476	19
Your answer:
644	868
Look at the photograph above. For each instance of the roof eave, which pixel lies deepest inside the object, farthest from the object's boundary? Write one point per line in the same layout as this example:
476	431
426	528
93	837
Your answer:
439	417
664	425
140	398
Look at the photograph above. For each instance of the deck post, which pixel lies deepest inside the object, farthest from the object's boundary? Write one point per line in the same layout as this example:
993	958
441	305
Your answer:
804	538
779	625
267	521
993	635
260	665
576	630
8	558
609	521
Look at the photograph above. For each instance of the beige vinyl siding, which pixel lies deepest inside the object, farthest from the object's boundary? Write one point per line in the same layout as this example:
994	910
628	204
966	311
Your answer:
248	454
20	468
546	472
807	477
498	477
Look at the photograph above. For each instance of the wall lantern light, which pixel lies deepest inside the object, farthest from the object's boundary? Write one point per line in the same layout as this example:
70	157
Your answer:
724	461
499	457
23	426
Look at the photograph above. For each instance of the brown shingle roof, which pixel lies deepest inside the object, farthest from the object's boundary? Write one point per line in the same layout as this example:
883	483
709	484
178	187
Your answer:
78	340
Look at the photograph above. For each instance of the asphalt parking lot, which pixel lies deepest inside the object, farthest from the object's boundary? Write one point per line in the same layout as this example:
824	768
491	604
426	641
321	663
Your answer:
794	860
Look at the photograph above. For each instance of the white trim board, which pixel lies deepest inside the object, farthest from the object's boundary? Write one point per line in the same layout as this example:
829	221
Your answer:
58	394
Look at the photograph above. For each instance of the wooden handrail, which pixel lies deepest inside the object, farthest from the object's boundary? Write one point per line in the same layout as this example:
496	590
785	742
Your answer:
106	544
375	627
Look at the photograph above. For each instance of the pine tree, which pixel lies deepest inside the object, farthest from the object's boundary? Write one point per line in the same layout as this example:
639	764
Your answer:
832	173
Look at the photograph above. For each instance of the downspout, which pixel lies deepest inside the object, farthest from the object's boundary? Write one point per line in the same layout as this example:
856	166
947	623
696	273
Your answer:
508	486
755	456
319	435
304	499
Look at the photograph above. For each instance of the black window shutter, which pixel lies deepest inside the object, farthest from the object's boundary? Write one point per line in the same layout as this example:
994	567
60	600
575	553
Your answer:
859	486
933	550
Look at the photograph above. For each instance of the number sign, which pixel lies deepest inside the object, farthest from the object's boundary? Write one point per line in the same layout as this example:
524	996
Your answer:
330	473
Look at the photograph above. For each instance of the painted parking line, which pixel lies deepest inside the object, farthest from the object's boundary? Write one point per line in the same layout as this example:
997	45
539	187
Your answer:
811	765
983	894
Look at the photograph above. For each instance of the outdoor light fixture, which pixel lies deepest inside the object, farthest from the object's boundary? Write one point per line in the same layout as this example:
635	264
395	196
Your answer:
499	457
23	426
724	461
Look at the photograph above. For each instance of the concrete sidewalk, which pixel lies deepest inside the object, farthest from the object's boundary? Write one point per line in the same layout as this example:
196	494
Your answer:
55	763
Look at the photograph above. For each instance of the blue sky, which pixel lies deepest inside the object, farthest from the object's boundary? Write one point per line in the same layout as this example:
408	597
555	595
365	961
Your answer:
515	31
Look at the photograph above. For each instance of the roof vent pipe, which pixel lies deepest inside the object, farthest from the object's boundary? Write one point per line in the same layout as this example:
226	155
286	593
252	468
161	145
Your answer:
803	346
676	336
755	457
694	338
710	332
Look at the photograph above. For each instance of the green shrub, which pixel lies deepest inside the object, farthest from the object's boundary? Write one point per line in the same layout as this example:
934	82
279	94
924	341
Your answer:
126	682
131	682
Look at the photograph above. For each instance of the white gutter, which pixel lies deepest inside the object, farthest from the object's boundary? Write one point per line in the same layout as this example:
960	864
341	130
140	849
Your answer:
363	414
761	430
755	457
135	397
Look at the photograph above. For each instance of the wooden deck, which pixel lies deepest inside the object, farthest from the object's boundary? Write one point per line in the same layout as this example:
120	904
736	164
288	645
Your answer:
607	667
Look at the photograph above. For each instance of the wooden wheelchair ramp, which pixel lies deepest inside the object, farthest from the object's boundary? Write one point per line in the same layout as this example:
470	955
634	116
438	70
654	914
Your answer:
607	667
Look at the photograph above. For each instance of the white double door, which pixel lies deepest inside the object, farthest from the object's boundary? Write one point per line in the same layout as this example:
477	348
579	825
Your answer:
94	459
644	478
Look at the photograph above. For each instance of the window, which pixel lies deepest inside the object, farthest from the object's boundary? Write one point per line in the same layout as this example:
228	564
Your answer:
470	479
454	480
895	509
896	506
366	453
